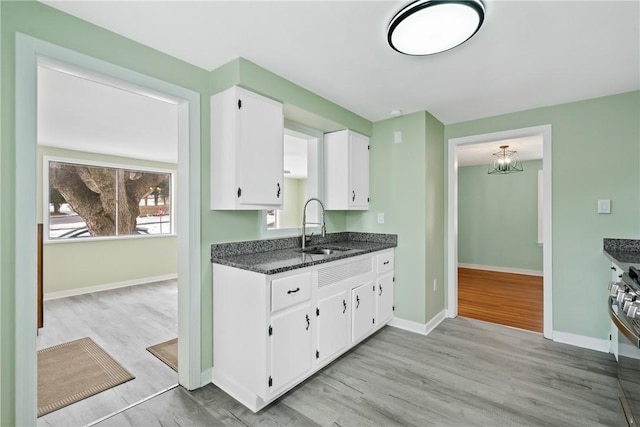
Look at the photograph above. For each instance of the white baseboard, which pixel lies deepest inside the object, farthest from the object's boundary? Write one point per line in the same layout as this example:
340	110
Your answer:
107	286
501	269
206	377
590	343
418	328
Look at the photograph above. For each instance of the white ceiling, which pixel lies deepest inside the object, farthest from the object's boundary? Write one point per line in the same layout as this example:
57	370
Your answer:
92	113
529	148
527	54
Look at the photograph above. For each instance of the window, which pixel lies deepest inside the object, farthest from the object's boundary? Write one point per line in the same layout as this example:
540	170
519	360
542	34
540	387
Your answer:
302	180
91	200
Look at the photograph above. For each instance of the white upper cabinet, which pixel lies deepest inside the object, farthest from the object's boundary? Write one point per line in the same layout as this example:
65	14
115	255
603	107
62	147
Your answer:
346	171
247	133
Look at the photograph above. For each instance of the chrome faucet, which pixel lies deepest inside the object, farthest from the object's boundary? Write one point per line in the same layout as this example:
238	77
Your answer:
304	222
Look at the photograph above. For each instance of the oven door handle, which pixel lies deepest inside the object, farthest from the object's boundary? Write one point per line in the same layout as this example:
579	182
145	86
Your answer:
622	325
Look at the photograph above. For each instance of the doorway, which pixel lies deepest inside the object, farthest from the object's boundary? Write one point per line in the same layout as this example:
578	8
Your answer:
543	132
109	273
28	50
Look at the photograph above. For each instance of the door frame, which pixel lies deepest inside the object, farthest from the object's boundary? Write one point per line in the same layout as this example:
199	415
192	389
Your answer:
28	49
452	218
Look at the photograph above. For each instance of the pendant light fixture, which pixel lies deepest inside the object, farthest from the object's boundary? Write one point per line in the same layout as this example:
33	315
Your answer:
505	161
425	27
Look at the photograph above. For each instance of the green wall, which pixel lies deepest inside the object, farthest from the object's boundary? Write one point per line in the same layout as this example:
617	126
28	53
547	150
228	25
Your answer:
498	217
48	24
406	184
595	153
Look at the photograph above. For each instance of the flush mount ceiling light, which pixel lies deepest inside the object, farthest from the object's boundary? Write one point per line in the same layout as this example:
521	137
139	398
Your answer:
425	27
505	161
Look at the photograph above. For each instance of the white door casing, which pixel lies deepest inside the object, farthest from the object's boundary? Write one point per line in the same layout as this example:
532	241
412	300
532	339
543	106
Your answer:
452	219
28	49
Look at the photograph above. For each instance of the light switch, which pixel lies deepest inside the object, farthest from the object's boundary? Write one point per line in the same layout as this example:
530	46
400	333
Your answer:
380	217
397	137
604	206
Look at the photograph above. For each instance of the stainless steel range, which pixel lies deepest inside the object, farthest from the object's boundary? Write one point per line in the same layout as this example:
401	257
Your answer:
624	310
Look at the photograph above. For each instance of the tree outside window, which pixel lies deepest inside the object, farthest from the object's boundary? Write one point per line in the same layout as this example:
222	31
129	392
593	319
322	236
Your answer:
95	201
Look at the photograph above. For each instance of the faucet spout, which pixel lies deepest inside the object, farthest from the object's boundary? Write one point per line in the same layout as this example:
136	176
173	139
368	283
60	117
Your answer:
323	228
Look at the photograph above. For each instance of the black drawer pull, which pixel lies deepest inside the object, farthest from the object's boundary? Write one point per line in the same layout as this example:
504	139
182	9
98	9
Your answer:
386	263
293	291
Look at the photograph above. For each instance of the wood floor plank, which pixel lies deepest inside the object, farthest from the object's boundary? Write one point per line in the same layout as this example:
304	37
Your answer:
464	373
124	322
507	299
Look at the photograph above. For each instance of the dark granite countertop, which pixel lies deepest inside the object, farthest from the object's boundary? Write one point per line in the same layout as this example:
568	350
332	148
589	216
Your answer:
273	256
623	252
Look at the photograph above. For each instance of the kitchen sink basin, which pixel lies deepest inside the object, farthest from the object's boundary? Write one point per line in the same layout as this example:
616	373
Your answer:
323	250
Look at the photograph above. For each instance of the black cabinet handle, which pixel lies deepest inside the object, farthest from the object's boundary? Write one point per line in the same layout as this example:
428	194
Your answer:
278	193
308	321
353	199
613	268
380	286
385	263
358	301
344	306
293	291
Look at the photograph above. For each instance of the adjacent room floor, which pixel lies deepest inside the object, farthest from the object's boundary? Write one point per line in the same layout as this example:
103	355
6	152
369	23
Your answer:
124	322
464	373
514	300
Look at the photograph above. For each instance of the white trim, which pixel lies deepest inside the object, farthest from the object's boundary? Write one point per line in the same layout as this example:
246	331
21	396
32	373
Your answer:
207	376
452	217
107	286
502	269
582	341
28	50
418	328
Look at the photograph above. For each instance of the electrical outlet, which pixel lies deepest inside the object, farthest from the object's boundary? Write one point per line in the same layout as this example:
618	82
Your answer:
435	284
380	217
604	206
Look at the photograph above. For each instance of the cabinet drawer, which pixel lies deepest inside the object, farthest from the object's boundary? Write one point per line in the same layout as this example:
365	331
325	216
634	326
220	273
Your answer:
291	290
385	262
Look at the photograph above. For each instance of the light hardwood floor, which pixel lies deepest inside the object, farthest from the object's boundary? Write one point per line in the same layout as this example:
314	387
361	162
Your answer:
504	298
124	322
464	373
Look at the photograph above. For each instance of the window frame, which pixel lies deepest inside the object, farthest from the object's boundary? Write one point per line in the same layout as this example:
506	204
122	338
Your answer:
86	162
315	151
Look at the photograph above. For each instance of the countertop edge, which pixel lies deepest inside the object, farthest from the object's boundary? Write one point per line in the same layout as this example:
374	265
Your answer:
256	269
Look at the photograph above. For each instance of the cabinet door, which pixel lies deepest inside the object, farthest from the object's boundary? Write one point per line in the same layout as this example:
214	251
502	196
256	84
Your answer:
362	311
384	299
358	171
290	346
260	155
333	325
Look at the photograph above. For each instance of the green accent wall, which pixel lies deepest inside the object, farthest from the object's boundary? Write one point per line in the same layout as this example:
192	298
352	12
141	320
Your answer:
498	217
406	184
595	154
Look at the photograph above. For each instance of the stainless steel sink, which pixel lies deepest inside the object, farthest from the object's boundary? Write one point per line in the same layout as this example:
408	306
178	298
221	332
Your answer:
322	250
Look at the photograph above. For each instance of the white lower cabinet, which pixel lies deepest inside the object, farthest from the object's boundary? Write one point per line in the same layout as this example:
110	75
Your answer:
384	298
290	346
270	332
363	320
333	326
